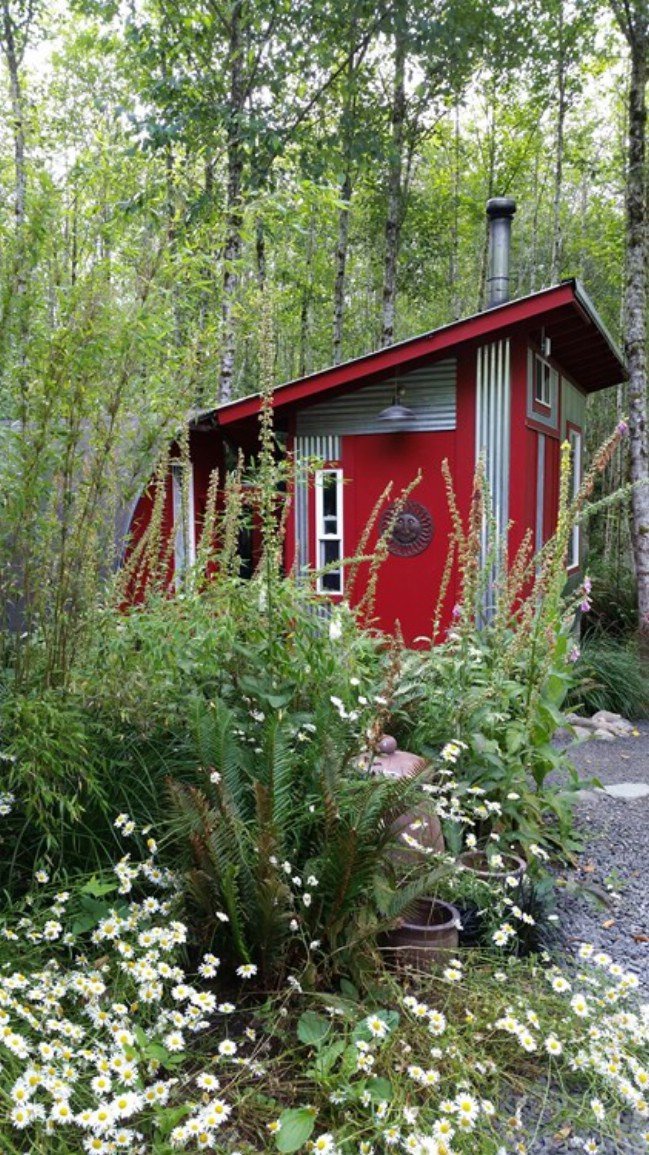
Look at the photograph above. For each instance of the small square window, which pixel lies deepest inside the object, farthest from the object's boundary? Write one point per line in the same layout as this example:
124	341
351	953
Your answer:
542	382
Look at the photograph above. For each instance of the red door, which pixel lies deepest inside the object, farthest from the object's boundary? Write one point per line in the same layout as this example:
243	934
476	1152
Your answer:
410	578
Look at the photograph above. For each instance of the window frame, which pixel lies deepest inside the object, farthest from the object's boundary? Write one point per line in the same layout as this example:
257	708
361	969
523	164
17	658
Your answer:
321	533
575	436
184	524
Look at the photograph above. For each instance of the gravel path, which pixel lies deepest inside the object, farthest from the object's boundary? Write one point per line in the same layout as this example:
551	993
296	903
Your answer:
605	900
610	907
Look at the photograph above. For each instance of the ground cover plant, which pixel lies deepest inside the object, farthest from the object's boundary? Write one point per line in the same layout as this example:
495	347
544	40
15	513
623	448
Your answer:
112	1040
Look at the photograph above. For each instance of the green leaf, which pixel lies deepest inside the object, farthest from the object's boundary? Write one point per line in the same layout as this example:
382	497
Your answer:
328	1057
348	989
96	888
296	1126
380	1090
312	1028
556	688
169	1117
278	701
141	1038
514	738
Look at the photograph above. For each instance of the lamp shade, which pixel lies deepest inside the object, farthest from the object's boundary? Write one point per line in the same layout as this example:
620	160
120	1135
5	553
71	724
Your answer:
396	412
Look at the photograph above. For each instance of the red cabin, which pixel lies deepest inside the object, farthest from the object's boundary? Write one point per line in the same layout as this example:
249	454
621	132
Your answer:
509	383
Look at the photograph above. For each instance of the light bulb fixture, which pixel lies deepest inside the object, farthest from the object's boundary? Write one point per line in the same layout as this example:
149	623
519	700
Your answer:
396	411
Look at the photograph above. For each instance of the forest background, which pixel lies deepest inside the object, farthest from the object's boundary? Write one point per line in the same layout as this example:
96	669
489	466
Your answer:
166	168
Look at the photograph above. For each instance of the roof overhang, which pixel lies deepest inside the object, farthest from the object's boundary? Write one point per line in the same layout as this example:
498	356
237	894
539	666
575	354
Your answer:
564	313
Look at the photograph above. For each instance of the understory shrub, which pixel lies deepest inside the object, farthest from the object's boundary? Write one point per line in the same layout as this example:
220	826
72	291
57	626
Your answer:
611	675
492	691
614	601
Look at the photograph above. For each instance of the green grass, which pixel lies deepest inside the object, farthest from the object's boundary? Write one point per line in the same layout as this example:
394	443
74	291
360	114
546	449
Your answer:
613	676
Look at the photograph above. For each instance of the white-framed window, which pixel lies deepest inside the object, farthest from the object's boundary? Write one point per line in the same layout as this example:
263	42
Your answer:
576	452
542	382
184	530
329	529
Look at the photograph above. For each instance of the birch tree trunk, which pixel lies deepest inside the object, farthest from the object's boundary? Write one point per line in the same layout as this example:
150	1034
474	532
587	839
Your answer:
454	252
634	22
341	266
395	173
12	57
234	219
491	176
557	236
304	366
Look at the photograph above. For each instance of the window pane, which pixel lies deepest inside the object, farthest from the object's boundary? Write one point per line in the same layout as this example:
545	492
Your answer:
332	582
329	495
542	379
329	553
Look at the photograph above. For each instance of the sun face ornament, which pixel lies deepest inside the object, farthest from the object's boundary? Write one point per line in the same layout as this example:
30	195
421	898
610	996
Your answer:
412	529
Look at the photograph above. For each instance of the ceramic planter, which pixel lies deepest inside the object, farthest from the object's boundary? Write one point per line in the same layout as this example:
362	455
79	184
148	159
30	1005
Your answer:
477	862
427	937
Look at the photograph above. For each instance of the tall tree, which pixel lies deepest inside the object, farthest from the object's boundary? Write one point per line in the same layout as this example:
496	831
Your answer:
633	19
16	22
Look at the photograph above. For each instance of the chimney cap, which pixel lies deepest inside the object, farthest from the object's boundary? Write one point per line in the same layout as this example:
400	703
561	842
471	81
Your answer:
498	207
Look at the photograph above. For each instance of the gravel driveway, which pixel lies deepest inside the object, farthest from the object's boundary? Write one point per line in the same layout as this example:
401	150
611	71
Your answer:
604	900
613	910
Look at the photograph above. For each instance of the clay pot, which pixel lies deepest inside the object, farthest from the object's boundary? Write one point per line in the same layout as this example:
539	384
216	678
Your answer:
427	938
477	862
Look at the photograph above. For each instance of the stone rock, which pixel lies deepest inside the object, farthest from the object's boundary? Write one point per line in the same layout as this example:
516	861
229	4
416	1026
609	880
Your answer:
604	716
604	735
627	790
579	720
581	733
614	722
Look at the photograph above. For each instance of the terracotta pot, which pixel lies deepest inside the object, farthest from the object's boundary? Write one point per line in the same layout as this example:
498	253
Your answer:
427	938
477	862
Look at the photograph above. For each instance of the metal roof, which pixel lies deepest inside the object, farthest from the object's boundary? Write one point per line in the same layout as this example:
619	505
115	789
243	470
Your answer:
581	344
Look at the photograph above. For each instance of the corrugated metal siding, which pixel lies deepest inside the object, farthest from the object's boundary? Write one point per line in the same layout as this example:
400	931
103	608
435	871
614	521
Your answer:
493	425
430	392
306	448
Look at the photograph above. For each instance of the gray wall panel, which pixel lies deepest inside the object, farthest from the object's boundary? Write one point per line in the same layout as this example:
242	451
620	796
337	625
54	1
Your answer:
430	392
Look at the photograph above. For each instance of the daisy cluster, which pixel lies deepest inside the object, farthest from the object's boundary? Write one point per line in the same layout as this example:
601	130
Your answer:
92	1052
417	1117
592	1031
423	1078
